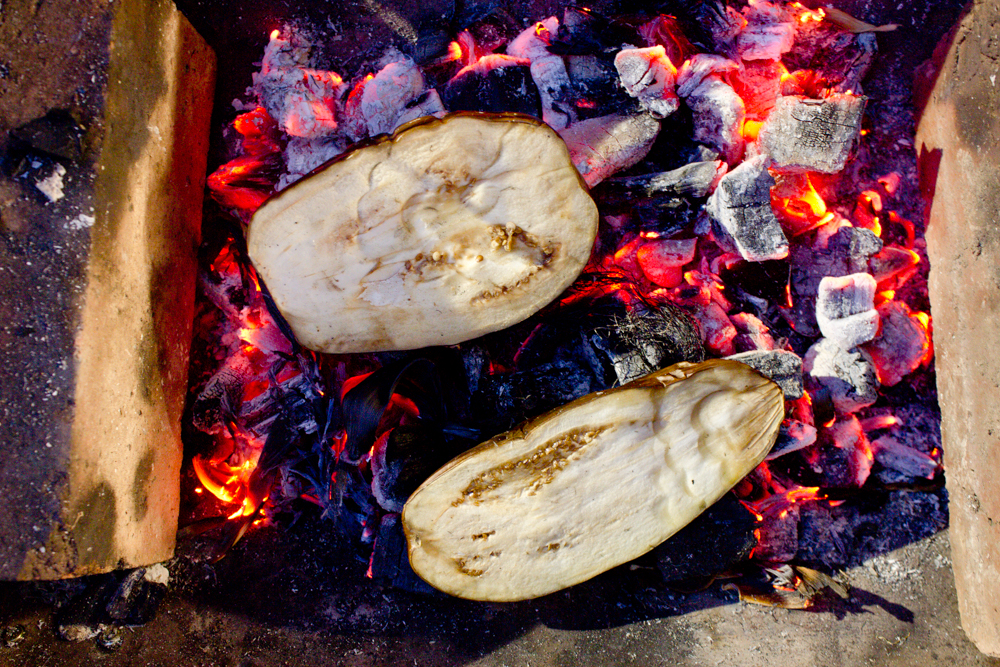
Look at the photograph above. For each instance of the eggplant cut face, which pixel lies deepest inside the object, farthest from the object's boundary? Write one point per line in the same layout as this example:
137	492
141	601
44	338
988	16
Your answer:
591	485
442	232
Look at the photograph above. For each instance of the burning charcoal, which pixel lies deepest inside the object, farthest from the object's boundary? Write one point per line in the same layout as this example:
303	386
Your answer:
649	339
843	59
905	462
793	436
583	31
696	180
845	309
782	366
769	33
717	331
892	267
844	457
741	206
845	252
494	83
390	564
547	70
718	110
606	145
662	260
903	342
849	375
648	75
802	134
505	399
721	537
301	99
758	83
408	456
752	334
779	528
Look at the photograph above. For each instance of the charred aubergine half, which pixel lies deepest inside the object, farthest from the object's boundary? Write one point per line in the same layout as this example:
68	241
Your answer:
590	485
448	229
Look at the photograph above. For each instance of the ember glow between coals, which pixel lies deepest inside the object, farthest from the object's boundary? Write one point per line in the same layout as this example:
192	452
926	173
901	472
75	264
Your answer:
761	193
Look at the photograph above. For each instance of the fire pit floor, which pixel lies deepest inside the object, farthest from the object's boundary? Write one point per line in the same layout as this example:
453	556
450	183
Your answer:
253	608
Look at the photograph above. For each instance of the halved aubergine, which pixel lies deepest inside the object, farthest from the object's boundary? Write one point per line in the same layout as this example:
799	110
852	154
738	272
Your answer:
591	485
444	231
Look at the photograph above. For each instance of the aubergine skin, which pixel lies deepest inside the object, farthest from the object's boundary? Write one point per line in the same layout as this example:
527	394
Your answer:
442	232
591	485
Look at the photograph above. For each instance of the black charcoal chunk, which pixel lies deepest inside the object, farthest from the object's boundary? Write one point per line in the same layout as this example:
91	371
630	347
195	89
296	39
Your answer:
410	455
507	87
721	537
694	181
506	399
390	563
782	366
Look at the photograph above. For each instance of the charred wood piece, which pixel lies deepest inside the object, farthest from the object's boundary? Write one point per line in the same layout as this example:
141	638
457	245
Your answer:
602	146
781	366
390	564
695	180
741	207
506	399
647	340
803	134
792	436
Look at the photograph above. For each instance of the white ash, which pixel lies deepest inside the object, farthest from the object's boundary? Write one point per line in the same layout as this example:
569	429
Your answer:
81	221
548	71
849	375
845	309
648	75
303	155
781	366
52	185
387	97
741	205
605	145
803	134
301	100
718	111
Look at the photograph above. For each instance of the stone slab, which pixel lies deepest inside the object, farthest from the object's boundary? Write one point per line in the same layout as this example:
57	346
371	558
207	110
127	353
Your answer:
960	166
97	278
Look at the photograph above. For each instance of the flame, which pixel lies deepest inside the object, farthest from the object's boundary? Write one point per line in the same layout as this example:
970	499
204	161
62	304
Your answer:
226	482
